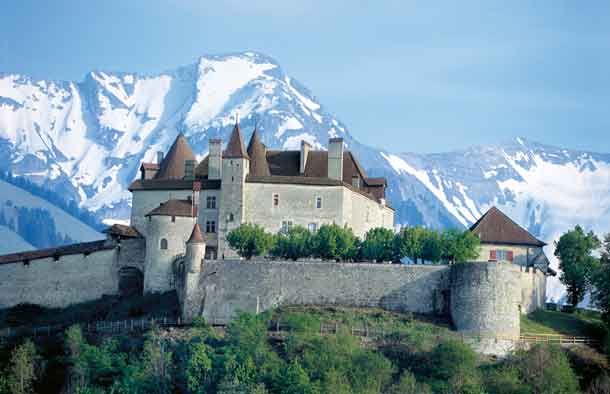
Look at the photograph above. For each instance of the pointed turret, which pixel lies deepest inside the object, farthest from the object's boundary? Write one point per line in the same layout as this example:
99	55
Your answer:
174	163
195	250
258	156
196	237
235	147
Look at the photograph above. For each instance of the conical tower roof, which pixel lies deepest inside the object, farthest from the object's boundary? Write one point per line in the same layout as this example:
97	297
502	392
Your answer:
196	237
235	148
172	166
258	156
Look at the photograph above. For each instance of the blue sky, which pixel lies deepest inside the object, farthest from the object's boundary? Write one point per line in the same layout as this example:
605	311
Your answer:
420	76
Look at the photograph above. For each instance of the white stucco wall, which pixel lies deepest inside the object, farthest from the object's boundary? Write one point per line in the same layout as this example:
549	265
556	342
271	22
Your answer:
520	253
297	204
362	214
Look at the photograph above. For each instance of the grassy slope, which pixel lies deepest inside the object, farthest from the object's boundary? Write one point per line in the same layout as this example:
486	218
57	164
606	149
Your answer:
580	323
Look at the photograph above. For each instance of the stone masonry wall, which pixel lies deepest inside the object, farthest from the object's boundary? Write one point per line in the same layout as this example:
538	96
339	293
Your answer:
485	298
228	286
71	279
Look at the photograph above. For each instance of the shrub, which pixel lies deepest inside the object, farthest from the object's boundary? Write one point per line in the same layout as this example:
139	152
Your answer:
250	240
377	245
407	384
453	367
546	370
334	242
293	244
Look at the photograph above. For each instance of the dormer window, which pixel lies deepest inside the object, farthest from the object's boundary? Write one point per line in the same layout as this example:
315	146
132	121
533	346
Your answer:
356	181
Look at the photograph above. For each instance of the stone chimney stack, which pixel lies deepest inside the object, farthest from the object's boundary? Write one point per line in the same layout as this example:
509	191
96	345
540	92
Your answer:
335	158
215	159
305	148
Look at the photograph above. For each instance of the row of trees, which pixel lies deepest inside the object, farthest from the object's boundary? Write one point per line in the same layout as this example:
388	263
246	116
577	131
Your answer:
244	361
333	242
584	261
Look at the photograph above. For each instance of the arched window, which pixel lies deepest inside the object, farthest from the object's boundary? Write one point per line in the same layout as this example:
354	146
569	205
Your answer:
163	245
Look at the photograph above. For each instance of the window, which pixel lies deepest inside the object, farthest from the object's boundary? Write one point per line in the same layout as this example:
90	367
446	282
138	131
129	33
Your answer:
210	226
319	202
286	226
173	219
312	227
276	200
210	202
500	255
231	217
163	244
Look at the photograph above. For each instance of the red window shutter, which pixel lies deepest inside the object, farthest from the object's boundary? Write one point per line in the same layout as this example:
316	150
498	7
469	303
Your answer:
509	255
492	255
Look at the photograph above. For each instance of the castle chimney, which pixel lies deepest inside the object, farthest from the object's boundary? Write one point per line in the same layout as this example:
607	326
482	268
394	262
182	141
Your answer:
215	159
159	157
305	148
335	158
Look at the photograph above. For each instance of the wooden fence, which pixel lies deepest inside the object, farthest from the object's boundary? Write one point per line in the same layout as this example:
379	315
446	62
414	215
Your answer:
275	328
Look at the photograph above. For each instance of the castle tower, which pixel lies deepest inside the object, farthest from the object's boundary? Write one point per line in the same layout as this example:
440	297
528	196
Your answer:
235	168
195	250
168	229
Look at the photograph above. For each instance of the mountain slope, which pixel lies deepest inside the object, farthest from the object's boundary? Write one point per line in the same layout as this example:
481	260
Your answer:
87	139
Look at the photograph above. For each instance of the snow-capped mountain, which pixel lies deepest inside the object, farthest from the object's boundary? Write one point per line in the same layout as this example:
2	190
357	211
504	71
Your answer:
87	139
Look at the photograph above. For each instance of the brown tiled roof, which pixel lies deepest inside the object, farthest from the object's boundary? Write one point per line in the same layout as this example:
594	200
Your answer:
258	156
495	227
235	147
196	236
202	169
85	248
284	163
123	231
149	166
172	184
172	166
175	208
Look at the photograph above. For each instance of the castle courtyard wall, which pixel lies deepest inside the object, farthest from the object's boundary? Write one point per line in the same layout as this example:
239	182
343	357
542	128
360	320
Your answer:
70	279
228	286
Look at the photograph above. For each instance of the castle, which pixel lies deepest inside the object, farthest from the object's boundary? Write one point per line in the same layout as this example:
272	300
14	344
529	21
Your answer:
182	211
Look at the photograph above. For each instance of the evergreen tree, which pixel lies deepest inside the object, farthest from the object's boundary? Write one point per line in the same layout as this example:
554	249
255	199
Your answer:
601	282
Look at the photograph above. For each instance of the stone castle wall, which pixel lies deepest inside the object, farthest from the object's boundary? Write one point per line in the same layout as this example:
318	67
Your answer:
70	279
228	286
486	298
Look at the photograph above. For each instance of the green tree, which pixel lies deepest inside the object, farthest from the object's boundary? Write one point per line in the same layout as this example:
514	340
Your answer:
601	282
293	244
407	384
156	364
431	249
333	242
250	240
453	366
505	380
546	370
22	370
296	381
459	246
409	243
574	251
377	245
198	367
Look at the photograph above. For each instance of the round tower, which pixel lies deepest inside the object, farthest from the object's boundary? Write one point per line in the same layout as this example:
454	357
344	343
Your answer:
485	299
195	250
